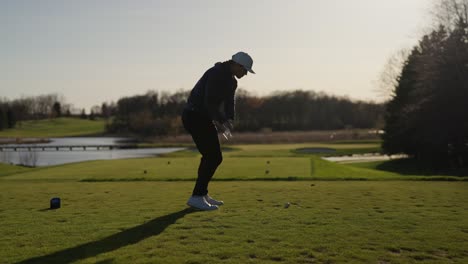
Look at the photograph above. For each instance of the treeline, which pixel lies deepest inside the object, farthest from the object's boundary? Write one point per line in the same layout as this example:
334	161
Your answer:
31	108
159	113
155	114
427	117
149	114
304	110
12	112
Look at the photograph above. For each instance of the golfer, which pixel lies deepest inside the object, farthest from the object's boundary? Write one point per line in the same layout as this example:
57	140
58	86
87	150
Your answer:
209	110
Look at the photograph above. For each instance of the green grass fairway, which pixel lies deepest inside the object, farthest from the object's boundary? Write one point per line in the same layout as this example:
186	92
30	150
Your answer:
58	127
232	168
173	169
147	222
115	212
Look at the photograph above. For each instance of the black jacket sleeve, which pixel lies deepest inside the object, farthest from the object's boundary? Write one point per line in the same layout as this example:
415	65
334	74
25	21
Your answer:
230	104
213	96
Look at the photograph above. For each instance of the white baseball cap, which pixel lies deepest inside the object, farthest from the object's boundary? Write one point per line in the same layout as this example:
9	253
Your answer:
243	59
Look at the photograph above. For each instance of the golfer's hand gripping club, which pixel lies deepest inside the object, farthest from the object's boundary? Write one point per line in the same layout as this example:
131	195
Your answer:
228	126
225	128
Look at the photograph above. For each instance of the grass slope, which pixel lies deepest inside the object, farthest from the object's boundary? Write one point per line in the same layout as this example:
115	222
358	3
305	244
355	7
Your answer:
6	169
58	127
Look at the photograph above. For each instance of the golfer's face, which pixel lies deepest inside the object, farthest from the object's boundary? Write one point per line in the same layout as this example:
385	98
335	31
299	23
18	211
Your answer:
240	71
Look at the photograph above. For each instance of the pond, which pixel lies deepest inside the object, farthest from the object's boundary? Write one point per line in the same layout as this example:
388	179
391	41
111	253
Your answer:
52	156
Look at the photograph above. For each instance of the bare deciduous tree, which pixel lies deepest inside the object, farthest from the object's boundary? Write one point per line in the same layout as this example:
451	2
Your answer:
449	13
388	78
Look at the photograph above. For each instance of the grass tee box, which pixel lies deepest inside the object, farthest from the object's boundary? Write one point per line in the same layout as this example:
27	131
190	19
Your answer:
147	222
58	127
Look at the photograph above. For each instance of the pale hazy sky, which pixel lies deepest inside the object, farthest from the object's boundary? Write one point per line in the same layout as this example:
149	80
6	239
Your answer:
99	51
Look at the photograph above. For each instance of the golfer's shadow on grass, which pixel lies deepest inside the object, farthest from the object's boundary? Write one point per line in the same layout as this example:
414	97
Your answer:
112	242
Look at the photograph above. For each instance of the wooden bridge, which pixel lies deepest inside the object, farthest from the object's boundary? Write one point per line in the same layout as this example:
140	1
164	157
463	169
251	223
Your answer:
64	147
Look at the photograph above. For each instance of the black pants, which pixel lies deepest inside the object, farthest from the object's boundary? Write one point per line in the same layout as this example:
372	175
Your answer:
205	136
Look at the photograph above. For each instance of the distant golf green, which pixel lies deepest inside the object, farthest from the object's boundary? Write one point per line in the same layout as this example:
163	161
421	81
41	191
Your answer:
57	127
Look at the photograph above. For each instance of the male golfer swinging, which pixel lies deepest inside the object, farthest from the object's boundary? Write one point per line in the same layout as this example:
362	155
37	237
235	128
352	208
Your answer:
209	110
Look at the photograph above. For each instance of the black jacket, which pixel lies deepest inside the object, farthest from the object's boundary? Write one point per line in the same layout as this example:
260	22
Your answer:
214	94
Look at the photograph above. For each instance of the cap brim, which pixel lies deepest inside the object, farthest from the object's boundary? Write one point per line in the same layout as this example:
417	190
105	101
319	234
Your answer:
251	71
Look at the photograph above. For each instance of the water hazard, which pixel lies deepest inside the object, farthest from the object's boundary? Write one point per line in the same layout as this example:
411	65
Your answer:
69	150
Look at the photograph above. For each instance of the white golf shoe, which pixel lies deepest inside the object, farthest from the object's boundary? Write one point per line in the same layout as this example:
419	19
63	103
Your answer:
212	201
200	202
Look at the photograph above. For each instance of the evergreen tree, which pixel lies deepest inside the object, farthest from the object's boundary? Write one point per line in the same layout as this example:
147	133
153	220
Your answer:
11	119
57	109
83	114
3	119
427	117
